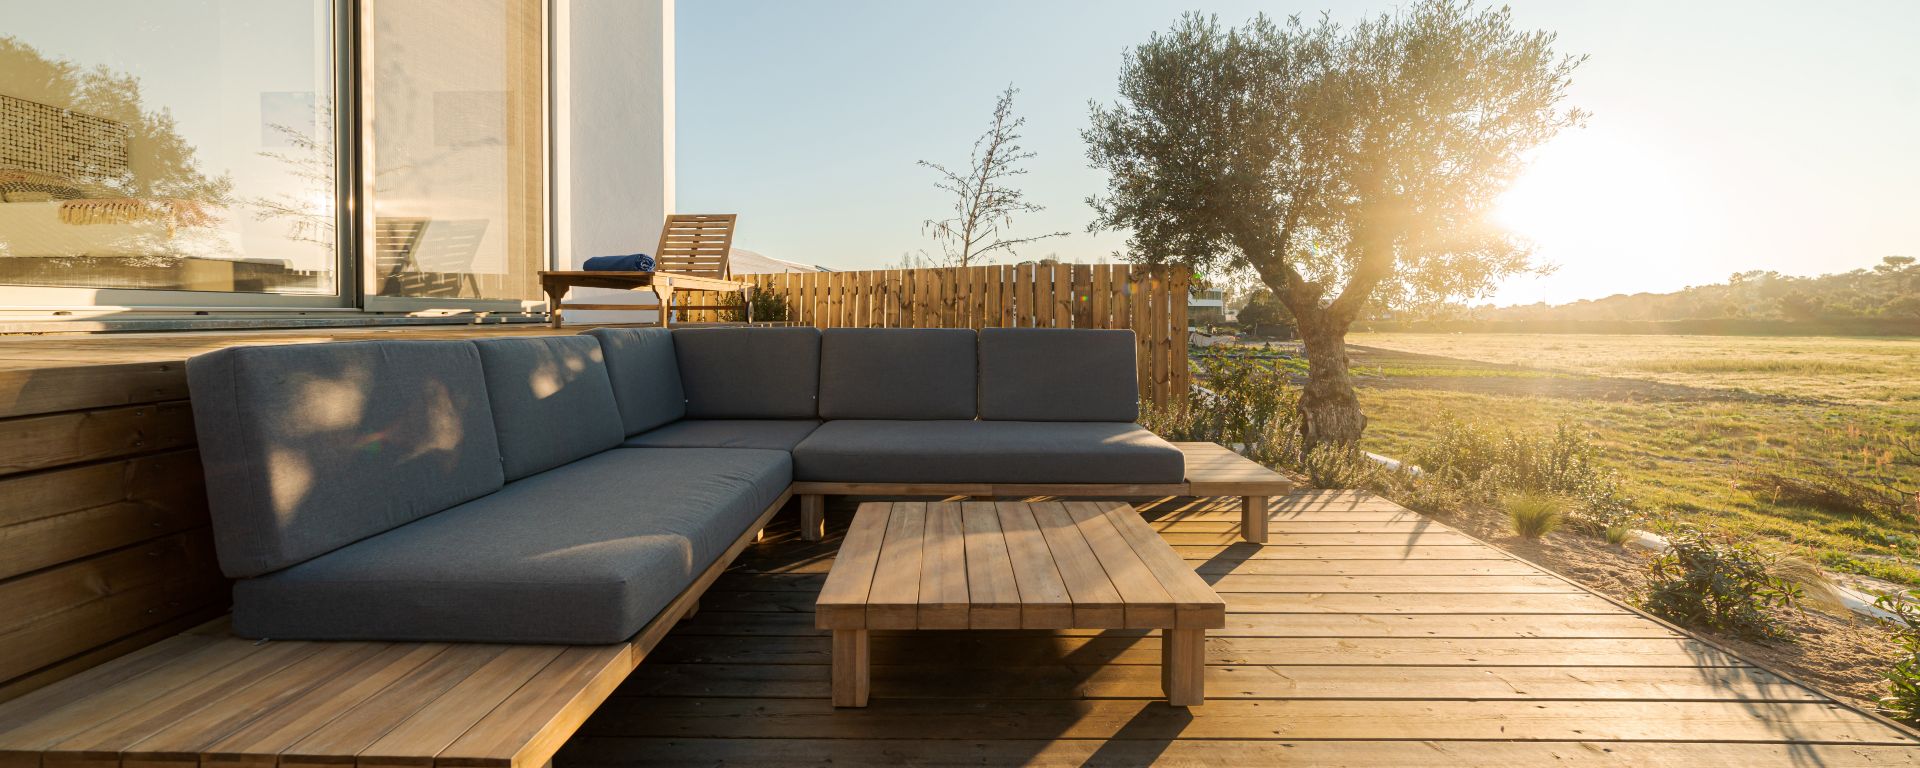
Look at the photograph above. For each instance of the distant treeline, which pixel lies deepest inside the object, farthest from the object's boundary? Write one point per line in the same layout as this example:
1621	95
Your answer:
1881	301
1696	327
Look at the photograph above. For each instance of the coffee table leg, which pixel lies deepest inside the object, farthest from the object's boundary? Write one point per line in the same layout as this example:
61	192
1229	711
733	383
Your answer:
1183	661
1253	519
850	668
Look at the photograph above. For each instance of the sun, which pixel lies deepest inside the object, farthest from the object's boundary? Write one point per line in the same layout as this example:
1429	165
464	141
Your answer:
1588	196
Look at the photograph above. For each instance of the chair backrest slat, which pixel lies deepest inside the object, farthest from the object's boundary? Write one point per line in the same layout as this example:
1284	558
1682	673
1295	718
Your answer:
696	244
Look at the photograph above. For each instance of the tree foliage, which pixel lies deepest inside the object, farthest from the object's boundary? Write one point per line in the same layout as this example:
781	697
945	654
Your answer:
1335	162
161	161
985	200
1264	310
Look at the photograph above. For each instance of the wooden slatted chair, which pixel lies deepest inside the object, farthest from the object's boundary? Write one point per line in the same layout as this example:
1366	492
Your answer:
696	244
692	256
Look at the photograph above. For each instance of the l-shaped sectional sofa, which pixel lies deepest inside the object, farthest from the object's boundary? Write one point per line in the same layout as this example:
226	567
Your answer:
566	489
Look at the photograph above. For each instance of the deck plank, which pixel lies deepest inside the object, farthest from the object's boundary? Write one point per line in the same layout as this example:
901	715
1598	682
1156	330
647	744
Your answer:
1144	719
1225	681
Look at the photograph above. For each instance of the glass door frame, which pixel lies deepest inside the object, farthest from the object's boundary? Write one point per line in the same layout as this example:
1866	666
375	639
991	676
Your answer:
353	252
94	303
364	231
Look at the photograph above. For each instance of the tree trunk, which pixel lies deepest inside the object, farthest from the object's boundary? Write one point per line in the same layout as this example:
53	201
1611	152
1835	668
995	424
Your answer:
1329	409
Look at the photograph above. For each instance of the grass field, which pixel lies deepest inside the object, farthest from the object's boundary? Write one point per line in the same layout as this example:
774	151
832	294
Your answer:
1801	440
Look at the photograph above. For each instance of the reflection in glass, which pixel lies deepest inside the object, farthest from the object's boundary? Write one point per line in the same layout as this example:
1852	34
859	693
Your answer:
185	145
458	148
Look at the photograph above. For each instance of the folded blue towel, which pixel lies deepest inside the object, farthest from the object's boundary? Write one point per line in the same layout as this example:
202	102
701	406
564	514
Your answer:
632	262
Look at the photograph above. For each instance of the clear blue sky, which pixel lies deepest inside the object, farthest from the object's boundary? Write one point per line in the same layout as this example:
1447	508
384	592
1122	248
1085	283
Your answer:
1726	135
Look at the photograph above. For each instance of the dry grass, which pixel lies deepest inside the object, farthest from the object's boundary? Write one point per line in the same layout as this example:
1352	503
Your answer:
1801	454
1855	370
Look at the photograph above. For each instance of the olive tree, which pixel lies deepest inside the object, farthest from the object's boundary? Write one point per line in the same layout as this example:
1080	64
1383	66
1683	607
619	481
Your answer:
1340	164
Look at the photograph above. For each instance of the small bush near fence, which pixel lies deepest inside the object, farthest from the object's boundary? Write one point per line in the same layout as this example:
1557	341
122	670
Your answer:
768	307
1715	583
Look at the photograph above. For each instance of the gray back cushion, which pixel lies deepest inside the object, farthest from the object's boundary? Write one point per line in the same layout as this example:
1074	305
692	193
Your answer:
552	402
308	448
897	373
1058	374
749	373
645	376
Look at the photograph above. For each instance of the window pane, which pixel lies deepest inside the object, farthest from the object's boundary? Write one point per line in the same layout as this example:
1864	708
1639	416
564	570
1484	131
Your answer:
456	88
184	145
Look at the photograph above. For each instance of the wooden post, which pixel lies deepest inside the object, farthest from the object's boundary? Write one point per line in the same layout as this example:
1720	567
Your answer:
663	290
813	517
1253	519
556	291
1183	666
851	675
692	610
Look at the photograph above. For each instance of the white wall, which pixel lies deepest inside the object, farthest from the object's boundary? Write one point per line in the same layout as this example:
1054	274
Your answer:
613	137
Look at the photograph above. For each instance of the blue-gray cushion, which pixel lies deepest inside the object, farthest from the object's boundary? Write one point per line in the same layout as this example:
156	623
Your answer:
310	447
1058	374
986	452
897	373
552	402
749	373
586	553
646	378
763	434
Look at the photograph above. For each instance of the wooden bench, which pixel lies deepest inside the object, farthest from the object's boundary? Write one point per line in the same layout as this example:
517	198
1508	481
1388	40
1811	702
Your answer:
1212	470
693	255
206	699
1013	565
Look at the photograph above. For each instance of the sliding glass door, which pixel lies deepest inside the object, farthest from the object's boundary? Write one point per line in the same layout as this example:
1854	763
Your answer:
455	153
377	155
177	152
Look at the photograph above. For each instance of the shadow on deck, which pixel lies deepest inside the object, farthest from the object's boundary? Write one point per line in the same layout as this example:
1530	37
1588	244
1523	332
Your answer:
1362	634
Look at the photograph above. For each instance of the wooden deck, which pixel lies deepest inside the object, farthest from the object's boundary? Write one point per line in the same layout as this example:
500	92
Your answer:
1363	634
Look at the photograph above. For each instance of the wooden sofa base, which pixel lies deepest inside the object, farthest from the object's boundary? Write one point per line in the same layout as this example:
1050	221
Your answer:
1212	470
205	699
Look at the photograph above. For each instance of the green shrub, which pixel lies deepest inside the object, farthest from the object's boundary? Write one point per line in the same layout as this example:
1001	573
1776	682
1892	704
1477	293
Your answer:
1718	584
1489	464
1534	515
1902	700
1617	534
768	307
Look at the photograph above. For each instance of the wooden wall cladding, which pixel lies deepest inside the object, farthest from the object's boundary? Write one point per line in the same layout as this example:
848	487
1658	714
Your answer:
104	541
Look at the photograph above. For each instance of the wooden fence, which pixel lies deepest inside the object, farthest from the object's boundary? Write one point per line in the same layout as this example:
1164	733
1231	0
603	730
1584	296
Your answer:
1150	301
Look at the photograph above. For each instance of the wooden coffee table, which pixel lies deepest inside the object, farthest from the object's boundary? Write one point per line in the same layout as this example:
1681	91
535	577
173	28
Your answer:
1013	565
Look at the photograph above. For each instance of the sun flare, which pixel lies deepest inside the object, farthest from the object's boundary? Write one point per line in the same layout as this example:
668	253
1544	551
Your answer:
1588	197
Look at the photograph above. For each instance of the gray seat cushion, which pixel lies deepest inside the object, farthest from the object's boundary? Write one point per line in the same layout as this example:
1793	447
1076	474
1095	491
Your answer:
310	447
749	373
645	376
986	452
897	373
1058	374
552	402
586	553
763	434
